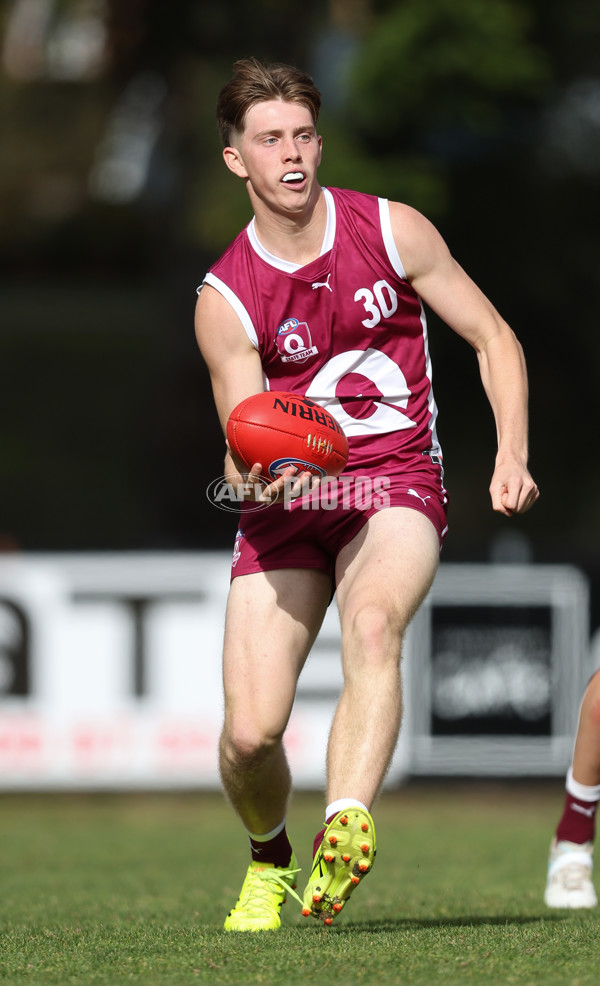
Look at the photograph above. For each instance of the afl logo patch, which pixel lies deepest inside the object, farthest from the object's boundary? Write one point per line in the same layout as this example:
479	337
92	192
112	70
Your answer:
294	341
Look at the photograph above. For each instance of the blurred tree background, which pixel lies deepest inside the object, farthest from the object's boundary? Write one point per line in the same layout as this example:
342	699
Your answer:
483	114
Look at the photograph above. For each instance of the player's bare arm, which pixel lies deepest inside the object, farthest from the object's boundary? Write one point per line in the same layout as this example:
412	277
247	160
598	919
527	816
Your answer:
236	372
442	283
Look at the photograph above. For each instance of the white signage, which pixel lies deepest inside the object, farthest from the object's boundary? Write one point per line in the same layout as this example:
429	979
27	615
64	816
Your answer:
110	673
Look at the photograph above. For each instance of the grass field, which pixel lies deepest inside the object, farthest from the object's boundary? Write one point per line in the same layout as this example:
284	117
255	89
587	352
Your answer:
134	889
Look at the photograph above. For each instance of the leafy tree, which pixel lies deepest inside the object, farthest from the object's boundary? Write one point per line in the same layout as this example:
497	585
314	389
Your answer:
431	84
445	62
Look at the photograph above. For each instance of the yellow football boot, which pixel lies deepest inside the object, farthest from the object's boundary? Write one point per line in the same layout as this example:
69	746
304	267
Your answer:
346	855
263	893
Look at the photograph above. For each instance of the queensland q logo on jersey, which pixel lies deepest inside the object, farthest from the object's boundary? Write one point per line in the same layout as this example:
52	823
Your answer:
294	341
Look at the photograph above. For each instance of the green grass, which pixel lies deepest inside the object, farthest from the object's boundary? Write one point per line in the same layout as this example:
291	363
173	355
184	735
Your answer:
134	889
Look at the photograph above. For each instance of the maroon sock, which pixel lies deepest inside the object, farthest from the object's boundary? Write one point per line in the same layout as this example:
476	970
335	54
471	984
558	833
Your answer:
317	842
319	836
277	850
578	822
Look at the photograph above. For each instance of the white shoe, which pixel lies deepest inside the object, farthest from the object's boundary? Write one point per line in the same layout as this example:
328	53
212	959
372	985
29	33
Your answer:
570	869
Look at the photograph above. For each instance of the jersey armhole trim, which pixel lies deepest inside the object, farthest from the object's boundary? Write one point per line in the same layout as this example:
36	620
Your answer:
236	304
388	238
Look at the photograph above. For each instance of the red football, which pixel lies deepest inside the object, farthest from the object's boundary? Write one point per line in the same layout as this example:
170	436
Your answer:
280	429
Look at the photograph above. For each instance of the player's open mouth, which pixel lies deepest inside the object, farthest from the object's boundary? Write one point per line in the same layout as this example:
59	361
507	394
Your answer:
293	178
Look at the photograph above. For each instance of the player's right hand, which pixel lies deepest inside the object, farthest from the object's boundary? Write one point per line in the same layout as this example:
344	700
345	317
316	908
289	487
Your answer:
254	488
288	486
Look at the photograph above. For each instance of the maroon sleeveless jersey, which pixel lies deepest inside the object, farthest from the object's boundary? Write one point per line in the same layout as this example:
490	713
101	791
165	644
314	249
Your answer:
346	330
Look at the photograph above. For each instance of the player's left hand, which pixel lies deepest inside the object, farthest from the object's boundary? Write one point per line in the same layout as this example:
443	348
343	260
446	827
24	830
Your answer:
512	489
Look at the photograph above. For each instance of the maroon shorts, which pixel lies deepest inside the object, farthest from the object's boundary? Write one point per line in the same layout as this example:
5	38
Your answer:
310	531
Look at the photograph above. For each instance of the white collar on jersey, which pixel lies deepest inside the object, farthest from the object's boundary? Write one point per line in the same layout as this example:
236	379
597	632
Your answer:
287	265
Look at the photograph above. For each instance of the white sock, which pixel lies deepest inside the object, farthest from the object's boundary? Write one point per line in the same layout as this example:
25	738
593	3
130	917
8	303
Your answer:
583	792
341	804
265	836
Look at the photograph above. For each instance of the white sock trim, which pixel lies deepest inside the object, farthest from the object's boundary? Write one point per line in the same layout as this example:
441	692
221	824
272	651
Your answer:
578	857
581	791
341	804
265	836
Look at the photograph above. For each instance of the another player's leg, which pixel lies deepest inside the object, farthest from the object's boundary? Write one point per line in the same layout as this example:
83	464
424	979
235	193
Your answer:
272	621
570	867
383	575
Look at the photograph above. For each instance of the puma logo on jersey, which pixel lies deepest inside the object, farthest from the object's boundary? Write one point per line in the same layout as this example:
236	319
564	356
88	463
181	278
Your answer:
423	499
323	284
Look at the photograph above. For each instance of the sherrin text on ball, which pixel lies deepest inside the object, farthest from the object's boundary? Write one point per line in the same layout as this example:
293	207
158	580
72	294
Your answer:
281	429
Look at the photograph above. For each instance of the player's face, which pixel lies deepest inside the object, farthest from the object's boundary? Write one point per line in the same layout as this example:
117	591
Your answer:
278	153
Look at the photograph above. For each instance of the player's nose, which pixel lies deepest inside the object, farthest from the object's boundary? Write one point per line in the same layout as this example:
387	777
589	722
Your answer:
290	150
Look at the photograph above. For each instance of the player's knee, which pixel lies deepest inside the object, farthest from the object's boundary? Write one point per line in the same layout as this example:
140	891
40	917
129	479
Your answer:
594	712
593	686
375	632
592	700
246	745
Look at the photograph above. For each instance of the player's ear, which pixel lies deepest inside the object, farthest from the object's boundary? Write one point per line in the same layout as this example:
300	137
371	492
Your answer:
233	160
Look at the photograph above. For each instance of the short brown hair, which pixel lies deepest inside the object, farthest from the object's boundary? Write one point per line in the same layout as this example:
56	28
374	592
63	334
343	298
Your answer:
253	83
